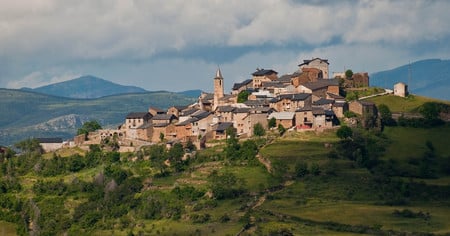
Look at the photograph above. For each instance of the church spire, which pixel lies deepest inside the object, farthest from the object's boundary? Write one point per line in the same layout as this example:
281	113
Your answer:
219	73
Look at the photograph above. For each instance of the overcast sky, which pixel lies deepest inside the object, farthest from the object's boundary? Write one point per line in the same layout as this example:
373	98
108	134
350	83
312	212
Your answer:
177	45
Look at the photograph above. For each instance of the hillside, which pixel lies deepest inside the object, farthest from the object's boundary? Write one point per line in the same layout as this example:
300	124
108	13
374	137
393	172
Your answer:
311	188
429	78
28	114
86	87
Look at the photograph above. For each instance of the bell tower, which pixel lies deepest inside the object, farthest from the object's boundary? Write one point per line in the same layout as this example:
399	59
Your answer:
218	88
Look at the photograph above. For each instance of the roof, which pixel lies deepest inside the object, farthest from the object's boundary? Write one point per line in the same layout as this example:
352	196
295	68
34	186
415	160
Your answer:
262	72
201	114
321	83
138	115
225	109
208	96
236	86
50	140
256	103
323	101
329	112
156	109
163	117
276	84
285	78
219	74
294	96
284	115
339	104
335	96
222	126
189	111
242	110
318	111
160	125
261	110
186	122
179	108
306	62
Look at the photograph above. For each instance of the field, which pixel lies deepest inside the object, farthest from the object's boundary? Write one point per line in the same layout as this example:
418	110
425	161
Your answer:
407	104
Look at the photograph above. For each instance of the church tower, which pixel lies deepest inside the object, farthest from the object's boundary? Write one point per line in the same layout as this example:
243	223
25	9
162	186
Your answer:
218	88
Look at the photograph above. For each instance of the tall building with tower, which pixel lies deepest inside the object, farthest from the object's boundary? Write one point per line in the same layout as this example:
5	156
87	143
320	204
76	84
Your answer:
218	88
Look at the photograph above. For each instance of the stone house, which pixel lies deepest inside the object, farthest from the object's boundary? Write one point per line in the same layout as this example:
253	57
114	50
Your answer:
320	87
154	110
225	113
240	122
168	130
176	110
239	87
285	118
322	118
362	107
263	75
339	108
137	125
323	103
317	63
219	130
163	119
50	144
290	102
401	89
304	118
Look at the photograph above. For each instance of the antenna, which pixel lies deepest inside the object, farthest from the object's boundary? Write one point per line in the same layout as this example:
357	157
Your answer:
409	74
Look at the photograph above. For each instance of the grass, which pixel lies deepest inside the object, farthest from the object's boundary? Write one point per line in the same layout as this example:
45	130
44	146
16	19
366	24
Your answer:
409	142
400	104
7	229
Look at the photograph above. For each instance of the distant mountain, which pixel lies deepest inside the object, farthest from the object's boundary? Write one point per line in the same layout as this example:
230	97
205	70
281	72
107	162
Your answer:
27	114
430	78
191	93
86	87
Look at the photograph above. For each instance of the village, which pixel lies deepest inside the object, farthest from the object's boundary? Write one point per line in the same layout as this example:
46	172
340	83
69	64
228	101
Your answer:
307	99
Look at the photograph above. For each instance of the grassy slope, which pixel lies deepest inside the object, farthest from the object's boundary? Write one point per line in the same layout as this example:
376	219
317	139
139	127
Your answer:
7	229
399	104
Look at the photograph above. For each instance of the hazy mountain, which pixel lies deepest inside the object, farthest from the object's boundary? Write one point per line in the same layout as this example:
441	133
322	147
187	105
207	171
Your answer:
86	87
429	78
29	114
191	93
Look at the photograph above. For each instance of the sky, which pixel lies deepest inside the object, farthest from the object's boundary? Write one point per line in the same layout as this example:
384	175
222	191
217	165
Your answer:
178	45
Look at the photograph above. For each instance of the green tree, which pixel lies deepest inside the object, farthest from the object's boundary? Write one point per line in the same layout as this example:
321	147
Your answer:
175	155
30	146
272	123
232	148
301	169
161	137
281	129
430	110
348	74
258	130
386	115
226	185
344	132
89	126
243	96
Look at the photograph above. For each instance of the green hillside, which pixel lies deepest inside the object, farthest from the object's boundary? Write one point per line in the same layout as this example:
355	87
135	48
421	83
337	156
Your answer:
311	189
22	111
407	104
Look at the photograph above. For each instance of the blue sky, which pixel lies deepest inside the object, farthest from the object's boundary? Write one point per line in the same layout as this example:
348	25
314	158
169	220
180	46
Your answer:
177	45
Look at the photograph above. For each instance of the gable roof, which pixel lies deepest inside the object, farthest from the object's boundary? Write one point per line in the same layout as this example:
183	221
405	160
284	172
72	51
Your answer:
186	122
138	115
262	72
306	62
188	112
321	83
222	126
293	96
163	117
323	101
335	96
236	86
225	109
284	115
285	78
241	110
201	114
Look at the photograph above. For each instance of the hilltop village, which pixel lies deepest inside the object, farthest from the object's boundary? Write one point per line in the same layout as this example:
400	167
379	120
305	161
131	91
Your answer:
307	99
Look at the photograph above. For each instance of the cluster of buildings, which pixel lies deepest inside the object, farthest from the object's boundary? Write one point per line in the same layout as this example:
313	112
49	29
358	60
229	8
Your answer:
305	99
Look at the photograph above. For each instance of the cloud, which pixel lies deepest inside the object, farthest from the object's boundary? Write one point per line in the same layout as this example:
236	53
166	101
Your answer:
135	41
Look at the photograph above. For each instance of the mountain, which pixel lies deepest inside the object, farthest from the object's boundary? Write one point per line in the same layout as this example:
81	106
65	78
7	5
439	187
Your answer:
191	93
429	78
29	114
86	87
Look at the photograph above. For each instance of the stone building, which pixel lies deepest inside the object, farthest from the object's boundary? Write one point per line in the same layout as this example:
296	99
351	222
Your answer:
218	89
263	75
317	63
401	89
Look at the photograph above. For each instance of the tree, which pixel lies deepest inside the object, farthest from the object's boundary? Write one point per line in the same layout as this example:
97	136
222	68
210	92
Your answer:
243	96
89	126
272	123
281	129
301	169
232	148
386	115
258	130
348	74
161	137
175	155
29	146
344	132
430	110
